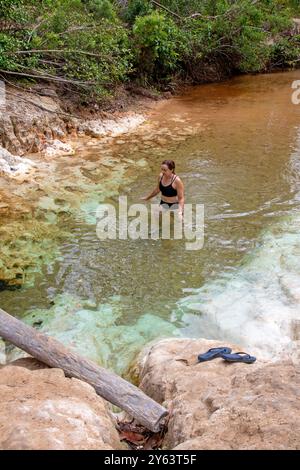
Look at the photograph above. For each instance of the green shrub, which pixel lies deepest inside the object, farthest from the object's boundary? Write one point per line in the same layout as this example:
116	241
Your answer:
156	39
235	39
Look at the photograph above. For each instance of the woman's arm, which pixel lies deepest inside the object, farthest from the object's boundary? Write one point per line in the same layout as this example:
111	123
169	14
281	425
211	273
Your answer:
154	192
180	193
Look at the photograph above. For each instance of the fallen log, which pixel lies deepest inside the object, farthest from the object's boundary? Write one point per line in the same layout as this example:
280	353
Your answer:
107	384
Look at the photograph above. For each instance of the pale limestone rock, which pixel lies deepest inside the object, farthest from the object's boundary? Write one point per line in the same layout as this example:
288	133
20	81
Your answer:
42	409
14	166
57	148
220	405
99	128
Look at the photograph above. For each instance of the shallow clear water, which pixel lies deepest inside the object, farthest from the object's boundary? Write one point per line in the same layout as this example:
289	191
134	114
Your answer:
237	150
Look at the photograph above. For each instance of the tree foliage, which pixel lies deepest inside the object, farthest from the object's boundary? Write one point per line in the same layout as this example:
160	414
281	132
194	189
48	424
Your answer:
78	43
94	45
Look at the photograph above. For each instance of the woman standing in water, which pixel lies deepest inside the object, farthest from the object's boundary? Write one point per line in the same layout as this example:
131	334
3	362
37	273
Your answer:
171	188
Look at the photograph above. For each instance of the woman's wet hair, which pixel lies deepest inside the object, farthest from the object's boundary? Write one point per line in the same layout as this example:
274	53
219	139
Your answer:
170	164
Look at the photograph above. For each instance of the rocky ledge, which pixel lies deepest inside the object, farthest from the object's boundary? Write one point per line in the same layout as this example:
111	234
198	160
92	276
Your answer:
221	405
35	120
14	166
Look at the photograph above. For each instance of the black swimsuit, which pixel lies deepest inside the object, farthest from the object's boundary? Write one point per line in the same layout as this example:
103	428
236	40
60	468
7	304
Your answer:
168	191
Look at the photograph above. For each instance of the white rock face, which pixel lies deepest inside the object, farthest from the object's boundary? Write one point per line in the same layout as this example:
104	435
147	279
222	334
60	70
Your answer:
14	166
100	128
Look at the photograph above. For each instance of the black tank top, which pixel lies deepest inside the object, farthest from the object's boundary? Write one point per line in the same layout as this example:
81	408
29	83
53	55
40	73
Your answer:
168	191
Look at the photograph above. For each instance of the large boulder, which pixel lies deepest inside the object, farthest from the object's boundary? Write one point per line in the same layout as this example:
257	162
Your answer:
42	409
221	405
113	127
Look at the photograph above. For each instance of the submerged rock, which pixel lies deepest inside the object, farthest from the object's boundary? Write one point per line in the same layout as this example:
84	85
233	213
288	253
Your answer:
97	332
42	409
221	405
25	246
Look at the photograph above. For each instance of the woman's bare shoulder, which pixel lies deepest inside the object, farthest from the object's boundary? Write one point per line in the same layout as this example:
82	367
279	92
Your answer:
178	180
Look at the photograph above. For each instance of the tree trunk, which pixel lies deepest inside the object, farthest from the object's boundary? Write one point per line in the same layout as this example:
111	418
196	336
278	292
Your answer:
107	384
